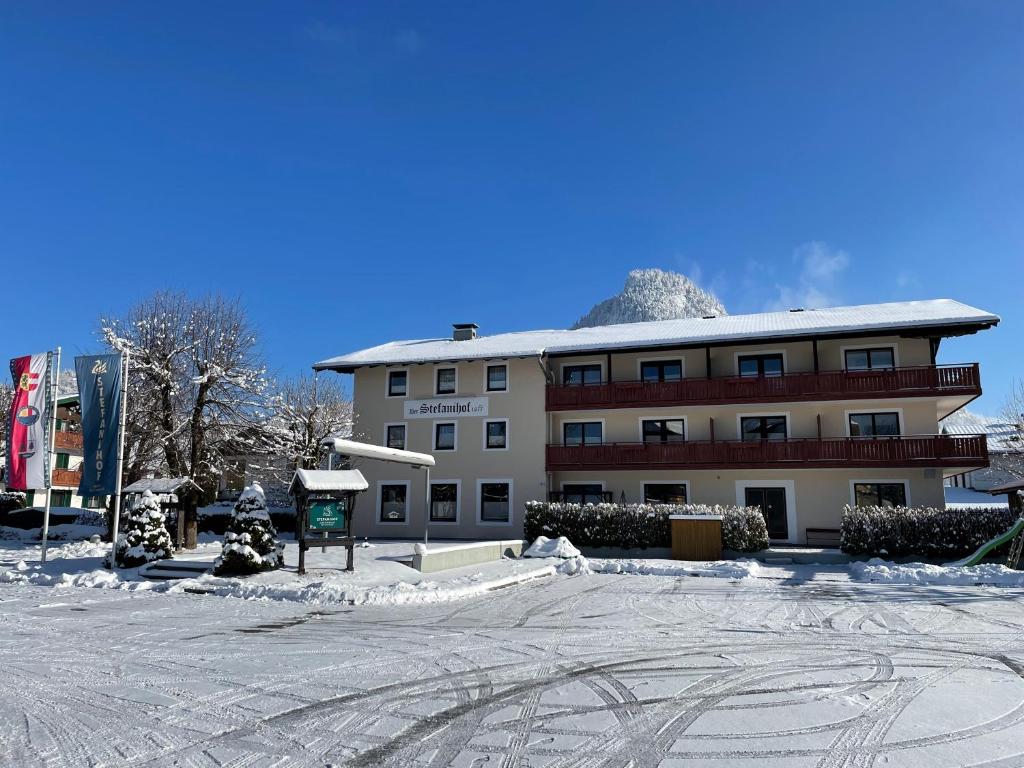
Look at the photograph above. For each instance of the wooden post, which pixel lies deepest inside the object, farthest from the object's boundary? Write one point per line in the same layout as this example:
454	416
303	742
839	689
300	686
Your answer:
814	346
712	423
179	533
819	426
707	362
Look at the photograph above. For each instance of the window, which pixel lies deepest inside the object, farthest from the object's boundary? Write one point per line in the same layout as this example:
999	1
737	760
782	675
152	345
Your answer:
444	502
446	381
495	501
763	428
760	365
880	494
62	460
661	370
393	497
30	498
874	424
495	435
444	437
665	493
867	359
60	498
497	378
581	374
582	433
583	493
398	383
663	430
395	436
95	502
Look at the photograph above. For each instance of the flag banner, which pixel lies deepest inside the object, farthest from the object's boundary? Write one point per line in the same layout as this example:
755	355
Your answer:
99	387
28	423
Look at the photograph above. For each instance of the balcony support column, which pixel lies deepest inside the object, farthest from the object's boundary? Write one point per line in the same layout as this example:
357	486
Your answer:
712	425
608	369
819	426
707	362
814	348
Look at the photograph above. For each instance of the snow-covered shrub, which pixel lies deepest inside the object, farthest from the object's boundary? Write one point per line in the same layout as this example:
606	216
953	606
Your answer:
11	500
639	526
143	535
250	543
923	531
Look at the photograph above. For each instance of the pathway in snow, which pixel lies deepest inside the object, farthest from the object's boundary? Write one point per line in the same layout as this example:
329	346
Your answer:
602	670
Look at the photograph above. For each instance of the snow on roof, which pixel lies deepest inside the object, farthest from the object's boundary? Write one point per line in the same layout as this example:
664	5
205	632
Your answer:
767	325
968	498
378	452
1003	437
159	485
329	480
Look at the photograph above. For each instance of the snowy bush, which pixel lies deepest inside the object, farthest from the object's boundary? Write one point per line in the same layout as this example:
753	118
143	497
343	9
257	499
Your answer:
143	536
924	531
11	500
639	526
250	543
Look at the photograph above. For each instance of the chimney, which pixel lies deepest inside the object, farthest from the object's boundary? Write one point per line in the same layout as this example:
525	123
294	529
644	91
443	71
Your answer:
464	331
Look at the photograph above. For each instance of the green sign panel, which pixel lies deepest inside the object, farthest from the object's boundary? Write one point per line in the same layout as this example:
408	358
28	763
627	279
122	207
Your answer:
326	515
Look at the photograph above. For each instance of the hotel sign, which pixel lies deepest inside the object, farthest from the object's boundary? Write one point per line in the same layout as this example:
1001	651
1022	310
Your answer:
445	407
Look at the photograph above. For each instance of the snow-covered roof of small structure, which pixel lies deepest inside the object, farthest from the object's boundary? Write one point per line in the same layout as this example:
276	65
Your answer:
329	480
1002	436
160	485
895	316
378	452
968	498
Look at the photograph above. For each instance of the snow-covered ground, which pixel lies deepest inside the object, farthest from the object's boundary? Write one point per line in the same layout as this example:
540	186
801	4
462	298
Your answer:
795	668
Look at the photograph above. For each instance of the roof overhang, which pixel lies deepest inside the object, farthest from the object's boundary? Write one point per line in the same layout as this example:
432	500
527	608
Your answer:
378	452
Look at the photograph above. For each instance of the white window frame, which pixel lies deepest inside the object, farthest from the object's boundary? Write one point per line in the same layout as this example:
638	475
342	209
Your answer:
480	501
487	421
574	363
405	427
641	419
640	364
380	499
888	344
882	481
433	435
507	378
855	411
741	416
387	383
789	486
561	431
754	353
563	483
437	373
665	481
458	502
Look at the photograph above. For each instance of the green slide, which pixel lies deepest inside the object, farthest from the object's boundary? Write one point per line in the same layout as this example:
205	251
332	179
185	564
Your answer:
991	544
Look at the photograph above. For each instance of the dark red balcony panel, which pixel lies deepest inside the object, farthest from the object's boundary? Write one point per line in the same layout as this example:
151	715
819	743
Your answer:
905	451
927	380
66	478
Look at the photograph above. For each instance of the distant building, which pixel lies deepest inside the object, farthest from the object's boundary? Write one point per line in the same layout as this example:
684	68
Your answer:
1005	451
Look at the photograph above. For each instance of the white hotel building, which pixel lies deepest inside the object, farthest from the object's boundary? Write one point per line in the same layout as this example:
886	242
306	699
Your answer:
798	412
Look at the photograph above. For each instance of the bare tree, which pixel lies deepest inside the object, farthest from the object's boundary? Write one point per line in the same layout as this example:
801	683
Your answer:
1013	415
195	366
6	398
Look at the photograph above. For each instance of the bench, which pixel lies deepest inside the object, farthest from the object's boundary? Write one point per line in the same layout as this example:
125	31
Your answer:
823	537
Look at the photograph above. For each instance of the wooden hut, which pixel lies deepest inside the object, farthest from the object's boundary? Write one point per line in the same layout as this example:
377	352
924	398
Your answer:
178	497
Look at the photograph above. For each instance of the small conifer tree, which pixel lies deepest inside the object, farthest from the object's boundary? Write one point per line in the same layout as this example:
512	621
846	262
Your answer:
143	537
250	543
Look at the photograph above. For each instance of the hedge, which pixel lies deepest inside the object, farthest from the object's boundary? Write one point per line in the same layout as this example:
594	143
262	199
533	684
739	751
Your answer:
639	526
925	531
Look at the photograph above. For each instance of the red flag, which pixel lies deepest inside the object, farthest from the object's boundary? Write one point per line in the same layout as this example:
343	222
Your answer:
26	441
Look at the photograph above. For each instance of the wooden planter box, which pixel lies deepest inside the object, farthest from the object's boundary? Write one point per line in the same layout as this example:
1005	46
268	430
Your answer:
696	537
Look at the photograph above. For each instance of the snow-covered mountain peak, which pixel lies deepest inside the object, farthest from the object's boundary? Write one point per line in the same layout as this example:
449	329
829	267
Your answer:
653	294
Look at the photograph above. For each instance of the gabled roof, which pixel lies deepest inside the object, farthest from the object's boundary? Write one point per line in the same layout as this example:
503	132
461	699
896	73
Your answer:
161	485
328	480
942	316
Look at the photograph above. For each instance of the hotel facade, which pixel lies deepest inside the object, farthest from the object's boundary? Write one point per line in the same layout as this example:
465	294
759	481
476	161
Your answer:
797	412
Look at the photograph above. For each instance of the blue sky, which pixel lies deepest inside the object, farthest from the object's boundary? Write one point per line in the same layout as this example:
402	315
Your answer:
358	172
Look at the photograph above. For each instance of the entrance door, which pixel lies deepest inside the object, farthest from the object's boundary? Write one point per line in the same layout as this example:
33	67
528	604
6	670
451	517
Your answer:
772	502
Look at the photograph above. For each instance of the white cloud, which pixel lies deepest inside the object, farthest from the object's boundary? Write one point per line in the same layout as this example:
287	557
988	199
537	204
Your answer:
821	266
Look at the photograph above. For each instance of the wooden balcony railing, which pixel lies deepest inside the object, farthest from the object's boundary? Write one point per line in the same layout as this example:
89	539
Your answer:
71	441
904	451
66	478
791	387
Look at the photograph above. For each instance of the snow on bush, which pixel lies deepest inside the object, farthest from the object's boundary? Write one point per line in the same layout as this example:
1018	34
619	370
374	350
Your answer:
924	531
11	500
250	543
545	547
639	526
143	537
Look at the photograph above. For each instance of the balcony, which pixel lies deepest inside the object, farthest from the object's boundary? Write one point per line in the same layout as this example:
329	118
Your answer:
71	441
66	478
904	451
922	381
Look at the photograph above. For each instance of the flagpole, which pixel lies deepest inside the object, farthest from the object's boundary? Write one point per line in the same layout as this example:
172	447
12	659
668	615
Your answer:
120	459
53	432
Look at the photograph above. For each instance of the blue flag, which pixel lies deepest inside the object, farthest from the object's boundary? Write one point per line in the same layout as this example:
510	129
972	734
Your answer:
99	387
